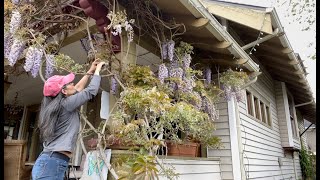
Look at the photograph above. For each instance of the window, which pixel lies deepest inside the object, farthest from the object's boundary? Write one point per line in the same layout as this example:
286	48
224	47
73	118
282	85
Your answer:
258	109
249	104
292	120
268	115
263	112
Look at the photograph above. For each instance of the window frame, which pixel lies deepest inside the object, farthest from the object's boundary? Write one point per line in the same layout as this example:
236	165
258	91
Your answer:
293	117
266	110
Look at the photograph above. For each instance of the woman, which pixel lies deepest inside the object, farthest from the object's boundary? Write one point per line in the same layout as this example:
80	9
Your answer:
59	120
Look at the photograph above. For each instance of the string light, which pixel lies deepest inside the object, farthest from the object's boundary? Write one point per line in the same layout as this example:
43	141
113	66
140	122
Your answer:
259	36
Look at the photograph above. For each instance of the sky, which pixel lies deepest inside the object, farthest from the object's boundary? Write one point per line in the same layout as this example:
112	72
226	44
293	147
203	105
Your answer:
298	39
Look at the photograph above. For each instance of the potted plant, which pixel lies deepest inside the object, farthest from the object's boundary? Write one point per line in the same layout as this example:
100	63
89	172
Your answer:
153	111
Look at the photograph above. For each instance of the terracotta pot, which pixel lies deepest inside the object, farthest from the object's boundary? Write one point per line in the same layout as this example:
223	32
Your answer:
118	144
188	149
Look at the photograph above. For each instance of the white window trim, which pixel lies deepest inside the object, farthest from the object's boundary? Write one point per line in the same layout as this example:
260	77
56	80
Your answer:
294	115
254	93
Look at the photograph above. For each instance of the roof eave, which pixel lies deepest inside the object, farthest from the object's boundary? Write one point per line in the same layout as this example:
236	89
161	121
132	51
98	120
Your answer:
196	7
293	56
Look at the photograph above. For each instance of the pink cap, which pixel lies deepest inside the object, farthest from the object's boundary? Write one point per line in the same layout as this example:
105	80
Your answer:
54	84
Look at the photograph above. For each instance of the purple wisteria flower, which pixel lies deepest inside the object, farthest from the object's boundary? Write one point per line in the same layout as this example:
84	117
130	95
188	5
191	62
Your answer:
117	30
209	108
198	102
176	72
33	60
8	40
189	84
207	75
164	48
15	21
163	72
171	44
186	61
49	65
16	50
227	92
114	86
37	62
238	93
15	2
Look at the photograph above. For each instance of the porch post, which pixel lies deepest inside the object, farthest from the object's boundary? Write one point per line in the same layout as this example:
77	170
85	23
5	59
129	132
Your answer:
232	115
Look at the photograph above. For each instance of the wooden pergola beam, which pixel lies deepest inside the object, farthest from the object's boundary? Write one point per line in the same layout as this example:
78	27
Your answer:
80	32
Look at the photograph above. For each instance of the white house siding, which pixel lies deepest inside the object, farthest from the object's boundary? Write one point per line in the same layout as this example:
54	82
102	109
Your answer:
193	169
223	131
261	144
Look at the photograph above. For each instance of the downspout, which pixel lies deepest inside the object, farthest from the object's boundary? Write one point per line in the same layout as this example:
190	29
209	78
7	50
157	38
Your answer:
306	129
255	78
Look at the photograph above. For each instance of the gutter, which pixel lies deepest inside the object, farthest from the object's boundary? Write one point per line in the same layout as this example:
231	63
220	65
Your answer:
197	8
255	78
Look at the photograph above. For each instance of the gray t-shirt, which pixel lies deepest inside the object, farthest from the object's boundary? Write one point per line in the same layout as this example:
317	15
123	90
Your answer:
68	123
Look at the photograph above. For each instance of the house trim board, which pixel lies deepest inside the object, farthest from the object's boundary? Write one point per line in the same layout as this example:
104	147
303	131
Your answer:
236	168
286	108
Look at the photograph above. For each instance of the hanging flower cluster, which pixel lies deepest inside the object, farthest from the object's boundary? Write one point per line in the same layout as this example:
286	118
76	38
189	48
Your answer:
182	79
15	1
16	50
49	65
114	86
207	75
168	50
15	21
208	107
163	72
119	20
231	84
7	42
33	60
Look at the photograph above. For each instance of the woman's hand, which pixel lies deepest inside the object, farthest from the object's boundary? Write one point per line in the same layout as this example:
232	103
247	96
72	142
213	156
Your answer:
98	68
93	66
